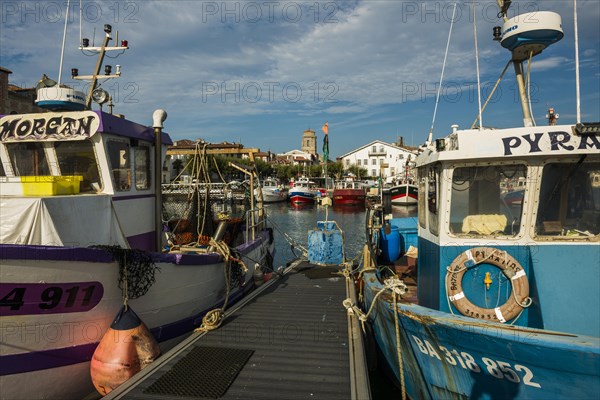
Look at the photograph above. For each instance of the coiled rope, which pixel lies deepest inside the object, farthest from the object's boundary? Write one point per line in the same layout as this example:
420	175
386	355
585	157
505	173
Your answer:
213	319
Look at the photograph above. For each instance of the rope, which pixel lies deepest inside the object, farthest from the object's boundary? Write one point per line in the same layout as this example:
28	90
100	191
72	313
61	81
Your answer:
212	319
398	348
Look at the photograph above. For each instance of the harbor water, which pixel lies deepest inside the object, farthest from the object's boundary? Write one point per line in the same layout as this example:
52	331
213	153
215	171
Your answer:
291	225
296	221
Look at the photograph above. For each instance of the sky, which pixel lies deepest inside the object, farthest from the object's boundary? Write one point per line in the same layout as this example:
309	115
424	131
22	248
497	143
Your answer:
261	72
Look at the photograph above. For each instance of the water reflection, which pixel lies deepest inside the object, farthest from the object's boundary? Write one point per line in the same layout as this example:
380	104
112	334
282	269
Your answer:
292	224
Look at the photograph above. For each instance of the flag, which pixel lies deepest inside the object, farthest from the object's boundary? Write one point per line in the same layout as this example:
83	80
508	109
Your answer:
325	129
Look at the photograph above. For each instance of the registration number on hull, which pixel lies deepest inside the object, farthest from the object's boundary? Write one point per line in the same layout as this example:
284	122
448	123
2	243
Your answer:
461	359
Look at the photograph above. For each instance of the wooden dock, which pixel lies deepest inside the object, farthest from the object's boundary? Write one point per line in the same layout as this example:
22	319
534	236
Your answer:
289	339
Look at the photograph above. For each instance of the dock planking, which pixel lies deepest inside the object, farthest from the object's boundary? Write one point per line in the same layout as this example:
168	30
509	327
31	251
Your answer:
290	340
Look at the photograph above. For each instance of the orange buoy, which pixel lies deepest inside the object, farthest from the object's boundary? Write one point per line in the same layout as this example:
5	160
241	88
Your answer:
125	349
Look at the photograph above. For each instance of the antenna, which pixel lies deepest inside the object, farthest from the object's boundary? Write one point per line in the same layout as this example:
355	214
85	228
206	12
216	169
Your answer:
437	99
578	94
62	51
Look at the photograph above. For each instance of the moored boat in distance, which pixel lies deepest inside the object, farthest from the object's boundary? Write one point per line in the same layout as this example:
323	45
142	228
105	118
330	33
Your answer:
303	191
488	310
273	191
84	232
349	192
402	193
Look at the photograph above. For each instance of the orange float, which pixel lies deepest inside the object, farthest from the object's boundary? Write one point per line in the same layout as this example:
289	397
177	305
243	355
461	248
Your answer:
125	349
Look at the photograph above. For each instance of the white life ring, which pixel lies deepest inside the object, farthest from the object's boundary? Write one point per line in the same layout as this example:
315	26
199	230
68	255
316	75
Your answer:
510	267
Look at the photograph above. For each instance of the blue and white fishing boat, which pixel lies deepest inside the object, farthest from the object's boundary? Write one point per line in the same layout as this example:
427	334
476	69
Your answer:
87	226
303	191
504	302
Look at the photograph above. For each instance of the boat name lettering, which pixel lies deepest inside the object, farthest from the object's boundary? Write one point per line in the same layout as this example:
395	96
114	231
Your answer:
498	369
48	298
558	141
512	28
50	126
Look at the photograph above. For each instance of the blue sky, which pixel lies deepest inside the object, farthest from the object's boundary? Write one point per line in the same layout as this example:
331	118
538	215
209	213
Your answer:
261	72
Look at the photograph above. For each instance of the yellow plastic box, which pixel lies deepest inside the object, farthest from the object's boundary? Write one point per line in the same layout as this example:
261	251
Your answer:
47	185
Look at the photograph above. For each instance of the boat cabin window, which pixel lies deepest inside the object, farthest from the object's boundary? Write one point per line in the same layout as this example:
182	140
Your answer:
78	158
118	155
485	200
142	167
433	191
569	200
28	159
421	210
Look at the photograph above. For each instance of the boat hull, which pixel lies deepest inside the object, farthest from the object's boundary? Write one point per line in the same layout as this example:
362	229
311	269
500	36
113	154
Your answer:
70	297
451	356
405	194
349	197
302	197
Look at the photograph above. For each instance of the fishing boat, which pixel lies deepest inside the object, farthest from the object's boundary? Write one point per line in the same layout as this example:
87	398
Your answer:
88	227
402	193
503	300
349	192
273	191
303	191
402	190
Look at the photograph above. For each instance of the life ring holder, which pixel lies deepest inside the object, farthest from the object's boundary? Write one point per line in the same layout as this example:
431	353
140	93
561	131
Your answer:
509	266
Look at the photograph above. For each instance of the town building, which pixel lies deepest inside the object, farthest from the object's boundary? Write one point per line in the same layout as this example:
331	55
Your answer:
380	158
14	99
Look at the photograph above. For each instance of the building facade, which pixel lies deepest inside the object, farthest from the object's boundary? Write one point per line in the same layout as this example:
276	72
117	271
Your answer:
16	100
380	158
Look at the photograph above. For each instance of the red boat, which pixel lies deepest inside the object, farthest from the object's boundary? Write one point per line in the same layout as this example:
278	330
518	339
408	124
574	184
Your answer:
349	193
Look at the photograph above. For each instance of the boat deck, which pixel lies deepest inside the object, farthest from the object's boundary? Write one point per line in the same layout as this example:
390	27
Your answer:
290	339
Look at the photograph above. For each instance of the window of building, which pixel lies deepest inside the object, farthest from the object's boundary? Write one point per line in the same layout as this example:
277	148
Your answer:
141	161
347	162
374	149
365	162
118	155
483	201
569	200
28	159
374	161
381	150
373	172
78	158
358	162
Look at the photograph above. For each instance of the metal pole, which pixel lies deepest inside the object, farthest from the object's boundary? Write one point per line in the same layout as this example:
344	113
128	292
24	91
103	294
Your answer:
158	117
527	121
88	102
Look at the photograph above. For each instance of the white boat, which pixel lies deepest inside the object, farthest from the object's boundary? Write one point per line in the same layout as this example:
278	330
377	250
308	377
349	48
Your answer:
273	191
83	232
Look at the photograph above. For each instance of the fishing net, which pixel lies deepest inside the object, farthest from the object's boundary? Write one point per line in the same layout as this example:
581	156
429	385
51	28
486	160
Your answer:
137	270
192	211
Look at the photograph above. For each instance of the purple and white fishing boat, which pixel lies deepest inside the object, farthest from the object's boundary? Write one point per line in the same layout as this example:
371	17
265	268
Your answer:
87	225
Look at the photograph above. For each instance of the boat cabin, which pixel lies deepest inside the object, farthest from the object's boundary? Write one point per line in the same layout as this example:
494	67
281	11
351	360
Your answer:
531	193
89	165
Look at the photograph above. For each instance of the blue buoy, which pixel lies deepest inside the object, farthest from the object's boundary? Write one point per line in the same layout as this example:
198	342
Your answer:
325	244
390	244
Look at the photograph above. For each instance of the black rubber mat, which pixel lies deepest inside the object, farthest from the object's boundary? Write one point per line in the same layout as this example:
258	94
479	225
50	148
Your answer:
321	272
204	372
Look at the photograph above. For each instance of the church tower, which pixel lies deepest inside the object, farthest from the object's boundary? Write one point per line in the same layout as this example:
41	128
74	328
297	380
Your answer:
309	142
